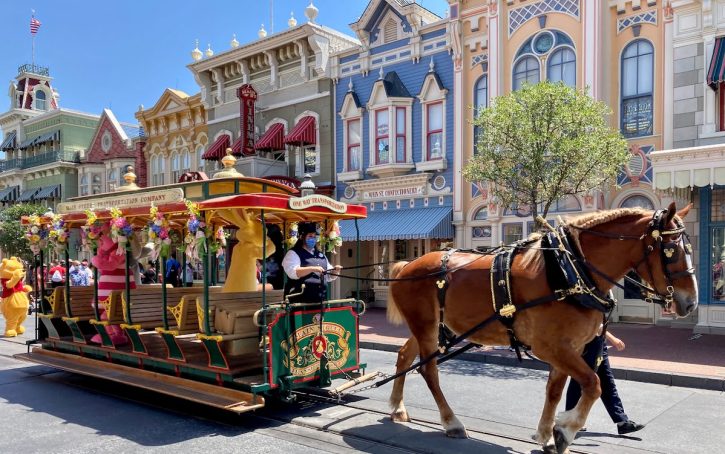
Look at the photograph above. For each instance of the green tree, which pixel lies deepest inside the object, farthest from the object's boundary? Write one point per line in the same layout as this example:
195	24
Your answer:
12	233
542	143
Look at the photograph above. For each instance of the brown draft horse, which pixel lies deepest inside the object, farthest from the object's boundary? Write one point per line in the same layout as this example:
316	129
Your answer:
614	242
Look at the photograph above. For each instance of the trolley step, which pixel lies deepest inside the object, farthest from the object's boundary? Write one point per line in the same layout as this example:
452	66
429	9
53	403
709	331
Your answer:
203	393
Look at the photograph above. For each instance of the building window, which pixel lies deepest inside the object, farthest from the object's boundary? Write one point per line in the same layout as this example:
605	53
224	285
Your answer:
96	183
562	67
637	201
84	184
480	102
353	145
721	106
157	170
185	161
199	154
481	214
434	133
112	180
41	102
512	232
382	142
526	70
175	167
636	89
400	134
718	265
306	160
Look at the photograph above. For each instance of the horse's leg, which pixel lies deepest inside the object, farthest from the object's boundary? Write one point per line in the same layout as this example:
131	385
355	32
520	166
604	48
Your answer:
453	427
407	354
554	389
569	422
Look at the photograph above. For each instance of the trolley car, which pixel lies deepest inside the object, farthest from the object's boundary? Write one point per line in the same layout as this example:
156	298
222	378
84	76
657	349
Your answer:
204	343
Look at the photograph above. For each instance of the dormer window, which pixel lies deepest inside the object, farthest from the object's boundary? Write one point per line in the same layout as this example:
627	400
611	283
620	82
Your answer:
390	108
41	102
433	99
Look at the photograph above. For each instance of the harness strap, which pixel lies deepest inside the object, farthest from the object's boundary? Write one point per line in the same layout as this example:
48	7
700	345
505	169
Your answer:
501	298
445	335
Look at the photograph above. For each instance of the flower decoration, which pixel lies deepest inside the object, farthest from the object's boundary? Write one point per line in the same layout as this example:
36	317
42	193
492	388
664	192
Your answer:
331	240
292	235
195	239
91	231
218	242
37	233
120	230
159	233
58	233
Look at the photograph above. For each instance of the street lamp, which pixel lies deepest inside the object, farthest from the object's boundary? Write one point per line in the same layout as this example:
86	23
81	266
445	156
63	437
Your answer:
308	186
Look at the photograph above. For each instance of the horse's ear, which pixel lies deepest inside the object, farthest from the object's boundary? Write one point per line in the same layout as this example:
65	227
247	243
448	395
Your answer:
683	212
671	211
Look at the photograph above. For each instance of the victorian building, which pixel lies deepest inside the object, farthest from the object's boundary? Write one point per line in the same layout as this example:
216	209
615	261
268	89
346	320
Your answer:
395	135
176	137
42	142
613	48
113	148
271	101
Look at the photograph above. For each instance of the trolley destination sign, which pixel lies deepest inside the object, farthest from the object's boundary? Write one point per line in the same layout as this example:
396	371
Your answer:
126	200
301	203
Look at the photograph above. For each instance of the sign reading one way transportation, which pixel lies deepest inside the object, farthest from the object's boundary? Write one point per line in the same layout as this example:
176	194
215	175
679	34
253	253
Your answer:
124	200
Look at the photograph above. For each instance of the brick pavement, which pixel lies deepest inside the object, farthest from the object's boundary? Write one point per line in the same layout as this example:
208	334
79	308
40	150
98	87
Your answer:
654	353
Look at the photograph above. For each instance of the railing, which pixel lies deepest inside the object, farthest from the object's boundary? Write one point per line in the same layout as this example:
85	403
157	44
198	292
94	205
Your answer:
34	69
40	159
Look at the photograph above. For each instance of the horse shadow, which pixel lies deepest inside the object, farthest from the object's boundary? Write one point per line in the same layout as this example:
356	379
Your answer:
493	370
107	407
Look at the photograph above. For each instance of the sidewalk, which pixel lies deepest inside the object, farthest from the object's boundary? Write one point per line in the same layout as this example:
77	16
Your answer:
654	354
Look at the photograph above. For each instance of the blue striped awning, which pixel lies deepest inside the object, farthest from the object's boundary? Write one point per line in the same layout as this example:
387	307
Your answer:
27	195
9	194
414	224
48	192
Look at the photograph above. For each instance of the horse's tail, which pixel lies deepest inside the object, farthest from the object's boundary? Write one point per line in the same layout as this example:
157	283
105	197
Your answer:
394	315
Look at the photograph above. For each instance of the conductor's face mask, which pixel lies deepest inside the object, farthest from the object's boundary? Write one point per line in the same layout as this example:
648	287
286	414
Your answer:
311	241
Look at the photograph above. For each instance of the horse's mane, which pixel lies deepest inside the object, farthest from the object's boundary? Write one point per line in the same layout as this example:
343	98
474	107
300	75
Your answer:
533	259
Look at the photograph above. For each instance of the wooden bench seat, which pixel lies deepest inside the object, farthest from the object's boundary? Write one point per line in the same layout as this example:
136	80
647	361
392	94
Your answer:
147	305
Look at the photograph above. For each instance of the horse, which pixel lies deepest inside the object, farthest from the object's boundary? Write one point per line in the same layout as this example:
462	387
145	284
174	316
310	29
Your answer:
608	245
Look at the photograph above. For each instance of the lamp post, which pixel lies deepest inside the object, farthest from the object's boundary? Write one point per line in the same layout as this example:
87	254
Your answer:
308	186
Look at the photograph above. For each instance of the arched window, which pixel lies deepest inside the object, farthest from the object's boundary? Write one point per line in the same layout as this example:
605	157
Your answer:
185	161
175	167
562	67
480	100
40	100
199	154
526	70
636	89
637	201
481	214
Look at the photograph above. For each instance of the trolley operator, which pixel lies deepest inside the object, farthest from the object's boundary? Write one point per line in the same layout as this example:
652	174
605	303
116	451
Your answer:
305	264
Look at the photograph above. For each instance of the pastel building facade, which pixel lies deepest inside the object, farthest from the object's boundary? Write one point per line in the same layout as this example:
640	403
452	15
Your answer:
394	134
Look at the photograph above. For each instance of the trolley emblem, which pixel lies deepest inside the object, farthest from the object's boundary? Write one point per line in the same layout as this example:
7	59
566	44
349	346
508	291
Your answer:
307	345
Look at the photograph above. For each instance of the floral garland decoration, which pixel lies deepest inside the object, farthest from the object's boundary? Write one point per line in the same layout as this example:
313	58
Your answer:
292	235
91	231
58	234
194	241
37	234
331	240
120	230
218	242
158	232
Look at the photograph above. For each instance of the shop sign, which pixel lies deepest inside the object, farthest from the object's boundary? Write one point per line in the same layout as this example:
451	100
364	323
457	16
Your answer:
316	200
393	193
127	200
247	99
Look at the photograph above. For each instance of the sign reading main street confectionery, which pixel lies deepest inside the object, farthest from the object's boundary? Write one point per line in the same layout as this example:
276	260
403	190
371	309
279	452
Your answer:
125	200
301	203
392	192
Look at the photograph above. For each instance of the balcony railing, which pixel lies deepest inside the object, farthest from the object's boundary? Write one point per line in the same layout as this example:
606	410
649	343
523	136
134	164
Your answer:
34	69
40	159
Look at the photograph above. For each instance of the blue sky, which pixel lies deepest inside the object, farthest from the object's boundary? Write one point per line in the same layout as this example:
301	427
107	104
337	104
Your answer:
120	54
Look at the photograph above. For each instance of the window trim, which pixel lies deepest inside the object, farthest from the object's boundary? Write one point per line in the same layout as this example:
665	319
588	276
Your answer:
519	61
378	138
349	145
36	92
429	132
645	95
351	111
431	94
380	101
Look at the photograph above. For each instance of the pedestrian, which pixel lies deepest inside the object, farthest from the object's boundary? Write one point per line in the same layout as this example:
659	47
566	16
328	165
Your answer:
306	264
57	274
78	276
149	274
595	354
88	269
189	275
172	270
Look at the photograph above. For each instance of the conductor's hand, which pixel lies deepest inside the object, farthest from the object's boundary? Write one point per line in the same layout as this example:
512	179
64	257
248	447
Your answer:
338	268
317	270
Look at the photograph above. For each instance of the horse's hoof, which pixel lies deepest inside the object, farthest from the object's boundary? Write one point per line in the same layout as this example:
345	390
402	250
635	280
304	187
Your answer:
457	432
560	440
400	416
549	449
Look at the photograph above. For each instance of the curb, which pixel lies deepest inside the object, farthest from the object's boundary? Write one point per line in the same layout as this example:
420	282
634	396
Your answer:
638	375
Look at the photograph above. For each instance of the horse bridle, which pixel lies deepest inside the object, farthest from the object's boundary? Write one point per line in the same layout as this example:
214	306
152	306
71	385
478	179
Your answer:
668	251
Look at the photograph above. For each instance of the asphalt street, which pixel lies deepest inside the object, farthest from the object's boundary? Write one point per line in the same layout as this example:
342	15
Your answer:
54	412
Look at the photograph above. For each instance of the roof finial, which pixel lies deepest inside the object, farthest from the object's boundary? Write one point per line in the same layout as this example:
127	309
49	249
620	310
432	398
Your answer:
431	65
234	43
262	33
381	74
228	171
208	52
311	12
349	85
292	22
196	53
130	178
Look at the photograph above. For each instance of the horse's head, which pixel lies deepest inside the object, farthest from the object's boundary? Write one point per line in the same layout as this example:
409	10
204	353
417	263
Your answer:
667	262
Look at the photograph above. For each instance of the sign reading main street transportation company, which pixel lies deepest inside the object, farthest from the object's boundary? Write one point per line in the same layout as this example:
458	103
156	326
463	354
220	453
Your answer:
301	203
124	200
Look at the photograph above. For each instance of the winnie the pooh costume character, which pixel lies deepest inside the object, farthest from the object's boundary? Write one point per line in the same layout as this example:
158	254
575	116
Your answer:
14	296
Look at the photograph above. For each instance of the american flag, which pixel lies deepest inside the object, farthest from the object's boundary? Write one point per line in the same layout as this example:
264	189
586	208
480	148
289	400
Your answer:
34	25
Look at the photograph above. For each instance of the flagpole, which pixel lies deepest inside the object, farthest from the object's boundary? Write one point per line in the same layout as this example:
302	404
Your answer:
32	39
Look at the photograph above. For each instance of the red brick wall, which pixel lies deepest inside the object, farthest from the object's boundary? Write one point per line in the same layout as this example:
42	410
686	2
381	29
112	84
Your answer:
141	170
